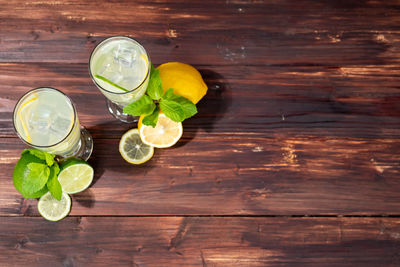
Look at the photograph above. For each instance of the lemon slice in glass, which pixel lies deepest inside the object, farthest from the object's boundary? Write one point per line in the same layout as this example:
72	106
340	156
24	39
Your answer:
53	210
133	150
22	111
75	176
165	134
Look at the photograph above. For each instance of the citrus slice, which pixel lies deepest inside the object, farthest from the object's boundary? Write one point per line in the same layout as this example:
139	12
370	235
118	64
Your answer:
75	176
165	134
110	82
133	150
20	112
53	210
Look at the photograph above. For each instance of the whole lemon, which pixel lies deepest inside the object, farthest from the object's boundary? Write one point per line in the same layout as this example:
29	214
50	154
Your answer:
184	79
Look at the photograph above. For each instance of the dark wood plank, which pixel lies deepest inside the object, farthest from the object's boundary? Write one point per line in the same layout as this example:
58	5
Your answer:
214	174
200	242
280	140
356	102
334	33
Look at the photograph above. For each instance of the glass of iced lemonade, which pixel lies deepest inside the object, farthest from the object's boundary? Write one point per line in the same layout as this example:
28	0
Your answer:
46	119
120	68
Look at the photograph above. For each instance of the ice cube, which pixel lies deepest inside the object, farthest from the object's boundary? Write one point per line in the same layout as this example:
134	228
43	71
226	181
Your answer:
40	119
124	56
112	72
60	126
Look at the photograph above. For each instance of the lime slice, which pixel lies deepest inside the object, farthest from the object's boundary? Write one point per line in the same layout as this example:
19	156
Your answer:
53	210
110	82
133	150
75	176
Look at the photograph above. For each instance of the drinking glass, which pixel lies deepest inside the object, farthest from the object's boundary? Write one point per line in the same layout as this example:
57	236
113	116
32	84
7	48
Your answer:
46	119
120	68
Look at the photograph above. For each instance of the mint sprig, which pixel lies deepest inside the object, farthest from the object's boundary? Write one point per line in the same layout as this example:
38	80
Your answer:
143	105
36	173
175	107
154	88
36	177
53	184
151	119
189	109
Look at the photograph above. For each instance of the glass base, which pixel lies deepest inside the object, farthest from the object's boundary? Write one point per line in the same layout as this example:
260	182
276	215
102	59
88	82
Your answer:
86	146
117	112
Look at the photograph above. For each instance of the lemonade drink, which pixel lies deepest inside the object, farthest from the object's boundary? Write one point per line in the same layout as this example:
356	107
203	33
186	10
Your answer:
45	118
120	68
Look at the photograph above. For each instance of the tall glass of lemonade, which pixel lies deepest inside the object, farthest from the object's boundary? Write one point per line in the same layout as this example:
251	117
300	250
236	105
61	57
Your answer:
46	119
120	68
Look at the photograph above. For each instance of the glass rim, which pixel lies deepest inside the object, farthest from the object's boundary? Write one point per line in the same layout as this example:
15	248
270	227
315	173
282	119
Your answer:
30	92
108	39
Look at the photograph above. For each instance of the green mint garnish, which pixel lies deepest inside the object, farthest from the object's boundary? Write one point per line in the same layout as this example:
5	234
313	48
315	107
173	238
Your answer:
143	105
175	107
36	177
154	88
188	107
110	82
151	119
172	110
36	173
53	184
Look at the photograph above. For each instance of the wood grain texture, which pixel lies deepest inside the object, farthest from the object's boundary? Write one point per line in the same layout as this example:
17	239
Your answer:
233	174
357	101
177	241
302	118
334	33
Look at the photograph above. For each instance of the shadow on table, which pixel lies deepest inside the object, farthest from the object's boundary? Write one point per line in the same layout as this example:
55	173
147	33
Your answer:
85	198
106	135
210	109
106	154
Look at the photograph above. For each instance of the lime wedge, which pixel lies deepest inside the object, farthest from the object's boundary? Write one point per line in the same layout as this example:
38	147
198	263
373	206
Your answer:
53	210
110	82
133	150
75	176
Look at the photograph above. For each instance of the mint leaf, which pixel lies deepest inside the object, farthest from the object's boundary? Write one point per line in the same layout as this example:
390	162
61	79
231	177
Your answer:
110	82
154	88
172	110
144	105
151	120
20	173
49	158
188	107
36	177
168	94
34	152
53	184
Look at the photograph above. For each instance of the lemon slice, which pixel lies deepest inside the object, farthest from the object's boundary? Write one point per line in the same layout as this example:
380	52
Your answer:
133	150
165	134
75	176
20	111
53	210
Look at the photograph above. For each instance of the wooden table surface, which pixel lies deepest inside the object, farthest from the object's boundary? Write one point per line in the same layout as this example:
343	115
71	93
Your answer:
293	158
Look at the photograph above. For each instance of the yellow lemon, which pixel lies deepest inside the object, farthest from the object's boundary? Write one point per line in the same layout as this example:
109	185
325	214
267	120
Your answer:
184	79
